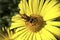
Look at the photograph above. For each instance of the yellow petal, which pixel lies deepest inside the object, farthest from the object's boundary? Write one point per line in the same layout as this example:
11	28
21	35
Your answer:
53	29
22	35
55	23
50	4
48	35
42	8
19	23
16	17
20	5
19	29
34	37
30	5
50	9
51	15
27	36
35	6
44	37
38	36
31	36
52	12
27	10
41	4
18	34
6	34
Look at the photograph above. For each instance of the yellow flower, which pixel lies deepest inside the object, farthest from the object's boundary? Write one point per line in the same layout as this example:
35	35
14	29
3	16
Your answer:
35	21
5	34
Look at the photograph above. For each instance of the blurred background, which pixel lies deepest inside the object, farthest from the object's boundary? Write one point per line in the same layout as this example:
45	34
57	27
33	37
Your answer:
8	8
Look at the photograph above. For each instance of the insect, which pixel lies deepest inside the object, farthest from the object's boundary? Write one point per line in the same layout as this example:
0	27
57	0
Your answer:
29	19
24	16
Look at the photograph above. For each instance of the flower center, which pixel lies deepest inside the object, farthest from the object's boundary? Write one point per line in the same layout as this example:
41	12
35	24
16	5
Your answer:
35	22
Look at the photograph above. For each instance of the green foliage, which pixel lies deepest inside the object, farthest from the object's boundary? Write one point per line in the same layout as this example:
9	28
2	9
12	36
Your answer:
8	8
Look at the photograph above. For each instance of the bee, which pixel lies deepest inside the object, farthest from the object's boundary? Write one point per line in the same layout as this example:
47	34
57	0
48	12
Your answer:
24	16
30	19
